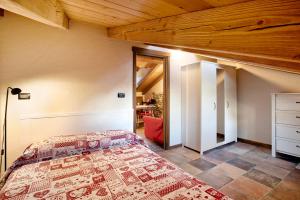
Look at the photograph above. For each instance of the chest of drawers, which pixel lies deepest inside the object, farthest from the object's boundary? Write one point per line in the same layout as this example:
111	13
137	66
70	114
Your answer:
286	123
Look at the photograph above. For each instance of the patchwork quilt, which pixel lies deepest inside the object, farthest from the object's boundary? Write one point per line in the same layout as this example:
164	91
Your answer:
122	172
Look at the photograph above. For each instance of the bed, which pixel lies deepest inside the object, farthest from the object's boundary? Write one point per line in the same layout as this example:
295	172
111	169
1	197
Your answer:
104	165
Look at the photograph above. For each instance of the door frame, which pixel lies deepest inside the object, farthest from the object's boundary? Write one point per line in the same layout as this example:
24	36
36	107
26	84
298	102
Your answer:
137	51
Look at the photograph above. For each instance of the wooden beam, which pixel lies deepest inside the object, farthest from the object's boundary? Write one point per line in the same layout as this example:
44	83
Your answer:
263	29
48	12
153	83
152	76
285	66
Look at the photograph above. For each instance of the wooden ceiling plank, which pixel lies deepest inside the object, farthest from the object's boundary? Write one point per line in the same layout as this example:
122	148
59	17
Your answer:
260	62
88	5
47	12
191	5
121	8
260	28
155	8
219	3
81	13
89	19
153	83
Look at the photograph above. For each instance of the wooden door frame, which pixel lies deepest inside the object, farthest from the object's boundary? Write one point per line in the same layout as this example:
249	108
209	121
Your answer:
137	51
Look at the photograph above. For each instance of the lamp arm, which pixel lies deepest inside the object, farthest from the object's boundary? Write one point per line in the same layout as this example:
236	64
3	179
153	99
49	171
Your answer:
4	138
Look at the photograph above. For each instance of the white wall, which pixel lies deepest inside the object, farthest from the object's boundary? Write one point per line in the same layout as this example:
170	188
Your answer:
255	86
73	76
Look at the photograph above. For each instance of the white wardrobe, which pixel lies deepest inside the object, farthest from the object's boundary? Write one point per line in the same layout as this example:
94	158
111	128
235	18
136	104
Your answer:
208	105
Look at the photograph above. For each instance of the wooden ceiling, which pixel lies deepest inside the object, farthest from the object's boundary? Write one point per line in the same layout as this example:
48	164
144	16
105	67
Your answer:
112	13
265	32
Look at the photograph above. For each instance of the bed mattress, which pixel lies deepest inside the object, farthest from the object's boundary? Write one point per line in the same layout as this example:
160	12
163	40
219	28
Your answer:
128	172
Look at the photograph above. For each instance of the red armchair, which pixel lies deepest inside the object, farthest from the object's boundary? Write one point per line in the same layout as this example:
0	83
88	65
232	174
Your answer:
154	129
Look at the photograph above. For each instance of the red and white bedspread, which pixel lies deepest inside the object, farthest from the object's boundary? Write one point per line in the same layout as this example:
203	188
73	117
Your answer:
126	172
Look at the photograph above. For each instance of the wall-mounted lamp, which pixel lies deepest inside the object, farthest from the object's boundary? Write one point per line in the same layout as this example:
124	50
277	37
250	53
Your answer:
14	91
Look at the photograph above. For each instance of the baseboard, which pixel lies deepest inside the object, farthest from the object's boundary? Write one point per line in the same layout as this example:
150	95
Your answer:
174	146
255	143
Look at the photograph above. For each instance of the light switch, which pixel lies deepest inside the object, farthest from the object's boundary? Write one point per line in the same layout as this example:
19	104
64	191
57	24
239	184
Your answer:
121	95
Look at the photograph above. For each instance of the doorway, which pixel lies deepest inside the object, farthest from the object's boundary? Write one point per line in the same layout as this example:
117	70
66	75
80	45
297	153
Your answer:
151	96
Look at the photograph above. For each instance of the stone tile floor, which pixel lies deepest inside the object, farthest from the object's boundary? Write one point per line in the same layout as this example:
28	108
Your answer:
241	171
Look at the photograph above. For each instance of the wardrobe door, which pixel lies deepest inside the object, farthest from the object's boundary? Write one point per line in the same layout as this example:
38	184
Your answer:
190	106
231	104
208	105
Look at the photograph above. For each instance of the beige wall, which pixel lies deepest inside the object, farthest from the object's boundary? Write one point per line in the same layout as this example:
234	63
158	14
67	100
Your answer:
158	88
255	86
73	76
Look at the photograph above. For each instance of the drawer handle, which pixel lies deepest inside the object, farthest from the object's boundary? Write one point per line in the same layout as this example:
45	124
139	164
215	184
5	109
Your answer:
297	132
298	117
298	146
297	101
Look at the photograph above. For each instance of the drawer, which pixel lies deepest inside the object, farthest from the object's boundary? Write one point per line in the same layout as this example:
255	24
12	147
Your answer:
291	118
289	132
288	102
288	147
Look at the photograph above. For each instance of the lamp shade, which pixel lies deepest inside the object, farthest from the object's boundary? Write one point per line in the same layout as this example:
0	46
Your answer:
15	91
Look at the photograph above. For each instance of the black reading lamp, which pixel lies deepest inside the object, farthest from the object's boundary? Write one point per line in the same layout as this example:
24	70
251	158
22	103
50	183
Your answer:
14	91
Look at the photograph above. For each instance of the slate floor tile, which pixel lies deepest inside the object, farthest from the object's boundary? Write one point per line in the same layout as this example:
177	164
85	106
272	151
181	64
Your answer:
216	180
202	164
293	179
284	192
263	178
258	153
241	164
272	170
281	163
235	194
228	170
239	148
190	169
249	187
186	152
174	158
221	155
268	198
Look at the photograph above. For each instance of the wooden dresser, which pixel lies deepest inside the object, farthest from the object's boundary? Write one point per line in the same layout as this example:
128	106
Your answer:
286	124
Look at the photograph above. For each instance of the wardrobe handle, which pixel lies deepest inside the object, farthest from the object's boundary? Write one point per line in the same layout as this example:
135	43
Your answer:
298	146
215	105
298	132
227	104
